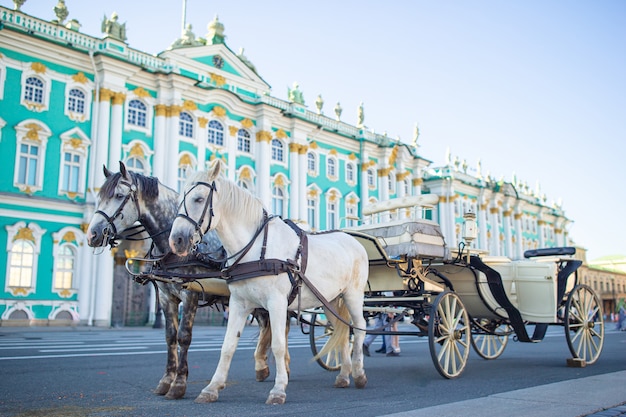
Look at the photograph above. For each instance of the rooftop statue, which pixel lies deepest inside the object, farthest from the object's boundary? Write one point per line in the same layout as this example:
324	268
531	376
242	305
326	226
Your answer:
187	39
245	60
338	111
114	29
319	104
295	95
361	115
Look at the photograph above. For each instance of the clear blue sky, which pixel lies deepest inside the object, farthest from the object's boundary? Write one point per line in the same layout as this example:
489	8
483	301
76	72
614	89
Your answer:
535	88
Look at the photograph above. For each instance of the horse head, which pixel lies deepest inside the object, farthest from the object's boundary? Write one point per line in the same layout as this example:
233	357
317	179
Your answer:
117	208
196	213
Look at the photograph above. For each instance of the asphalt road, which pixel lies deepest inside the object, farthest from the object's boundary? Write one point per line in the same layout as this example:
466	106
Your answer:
111	372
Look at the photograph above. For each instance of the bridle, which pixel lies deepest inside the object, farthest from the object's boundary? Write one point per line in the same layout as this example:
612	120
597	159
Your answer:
110	231
198	233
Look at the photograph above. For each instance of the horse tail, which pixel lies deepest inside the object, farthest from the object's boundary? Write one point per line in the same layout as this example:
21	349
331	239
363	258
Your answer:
340	330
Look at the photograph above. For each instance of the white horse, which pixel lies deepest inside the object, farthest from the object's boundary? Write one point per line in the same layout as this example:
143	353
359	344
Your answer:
334	263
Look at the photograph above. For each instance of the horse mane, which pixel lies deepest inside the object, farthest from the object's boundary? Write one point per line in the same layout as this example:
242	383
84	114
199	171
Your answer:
239	201
149	186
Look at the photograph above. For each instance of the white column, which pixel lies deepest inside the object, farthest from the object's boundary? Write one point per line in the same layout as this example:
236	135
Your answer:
542	233
115	141
160	146
231	148
302	186
264	191
482	226
102	296
508	237
102	138
201	141
171	161
365	189
294	176
519	236
494	247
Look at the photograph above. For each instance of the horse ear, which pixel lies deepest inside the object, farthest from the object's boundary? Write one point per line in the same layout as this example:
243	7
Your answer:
123	170
107	173
215	168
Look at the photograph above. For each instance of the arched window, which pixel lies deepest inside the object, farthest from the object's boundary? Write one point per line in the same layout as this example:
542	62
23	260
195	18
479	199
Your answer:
350	175
135	164
277	150
28	159
332	214
76	101
137	113
21	262
185	125
311	161
278	201
65	268
243	141
371	179
33	90
311	212
331	168
71	177
216	133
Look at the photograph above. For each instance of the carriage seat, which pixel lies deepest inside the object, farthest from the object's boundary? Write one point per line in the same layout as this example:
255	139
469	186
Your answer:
419	238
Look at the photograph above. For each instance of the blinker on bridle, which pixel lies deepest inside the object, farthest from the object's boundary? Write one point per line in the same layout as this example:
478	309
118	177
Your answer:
208	206
110	231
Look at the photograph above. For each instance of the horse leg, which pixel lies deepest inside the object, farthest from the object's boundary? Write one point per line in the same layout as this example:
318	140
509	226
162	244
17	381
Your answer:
341	334
170	312
236	321
190	306
263	345
278	319
354	304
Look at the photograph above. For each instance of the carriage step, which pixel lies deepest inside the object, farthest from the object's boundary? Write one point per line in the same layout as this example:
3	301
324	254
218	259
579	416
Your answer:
576	363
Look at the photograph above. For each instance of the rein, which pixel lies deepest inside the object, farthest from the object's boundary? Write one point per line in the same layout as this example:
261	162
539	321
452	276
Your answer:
110	231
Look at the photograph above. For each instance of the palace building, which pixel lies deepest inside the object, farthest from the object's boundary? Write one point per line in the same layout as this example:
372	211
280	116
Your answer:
72	103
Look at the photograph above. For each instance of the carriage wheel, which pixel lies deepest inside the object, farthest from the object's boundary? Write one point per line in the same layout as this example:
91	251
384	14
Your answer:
584	324
491	346
320	332
449	334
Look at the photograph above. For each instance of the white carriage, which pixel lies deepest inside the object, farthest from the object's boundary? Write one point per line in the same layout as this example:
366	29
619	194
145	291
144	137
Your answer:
463	297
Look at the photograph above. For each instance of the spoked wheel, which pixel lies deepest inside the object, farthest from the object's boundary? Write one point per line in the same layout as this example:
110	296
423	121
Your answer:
584	324
491	346
449	334
320	332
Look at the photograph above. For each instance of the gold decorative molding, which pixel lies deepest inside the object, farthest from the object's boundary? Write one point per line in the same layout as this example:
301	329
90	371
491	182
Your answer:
401	176
141	92
245	174
19	291
118	99
217	79
352	156
185	160
174	110
263	136
137	150
202	122
279	181
483	206
84	227
494	210
383	172
312	193
24	234
352	200
332	196
219	111
444	199
33	132
294	147
69	237
76	143
313	145
160	110
507	213
558	231
233	130
394	155
106	94
247	123
189	105
38	67
303	149
517	216
333	152
80	78
417	181
541	222
281	134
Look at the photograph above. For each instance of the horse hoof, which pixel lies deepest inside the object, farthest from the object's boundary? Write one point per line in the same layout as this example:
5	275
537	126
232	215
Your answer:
342	382
162	389
176	392
206	397
262	374
360	381
276	399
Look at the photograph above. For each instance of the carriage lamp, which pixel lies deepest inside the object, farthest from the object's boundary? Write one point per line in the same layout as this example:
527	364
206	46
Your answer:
470	232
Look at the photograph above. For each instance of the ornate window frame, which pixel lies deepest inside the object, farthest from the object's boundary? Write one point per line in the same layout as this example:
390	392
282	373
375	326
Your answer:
76	142
312	158
333	206
186	126
31	132
278	150
313	206
40	72
139	150
186	163
81	83
214	133
67	237
31	235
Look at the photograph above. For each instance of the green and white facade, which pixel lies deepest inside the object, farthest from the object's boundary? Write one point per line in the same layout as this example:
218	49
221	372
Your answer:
71	103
